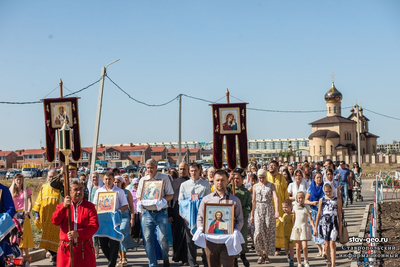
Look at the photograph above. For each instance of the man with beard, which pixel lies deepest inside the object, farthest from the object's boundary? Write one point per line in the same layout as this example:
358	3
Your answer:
308	177
281	190
179	243
44	207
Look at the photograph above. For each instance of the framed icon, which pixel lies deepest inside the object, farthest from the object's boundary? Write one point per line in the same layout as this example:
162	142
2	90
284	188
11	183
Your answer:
218	218
152	189
106	202
229	119
60	112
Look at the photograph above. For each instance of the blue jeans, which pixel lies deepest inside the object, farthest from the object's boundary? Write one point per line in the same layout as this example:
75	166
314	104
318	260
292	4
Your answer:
150	221
344	192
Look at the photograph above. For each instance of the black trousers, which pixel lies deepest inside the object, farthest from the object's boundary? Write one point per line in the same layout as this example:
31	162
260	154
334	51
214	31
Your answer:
192	249
110	249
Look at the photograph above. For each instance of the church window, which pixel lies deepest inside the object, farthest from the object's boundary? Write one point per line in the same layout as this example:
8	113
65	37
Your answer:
334	110
314	150
331	149
329	109
349	136
363	150
320	149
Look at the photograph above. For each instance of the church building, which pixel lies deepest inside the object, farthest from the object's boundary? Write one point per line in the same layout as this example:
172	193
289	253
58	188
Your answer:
337	135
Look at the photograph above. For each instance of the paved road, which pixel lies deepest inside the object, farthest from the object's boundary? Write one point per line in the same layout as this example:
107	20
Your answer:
354	214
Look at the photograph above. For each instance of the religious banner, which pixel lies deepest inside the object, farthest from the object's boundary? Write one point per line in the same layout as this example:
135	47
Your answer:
56	111
230	122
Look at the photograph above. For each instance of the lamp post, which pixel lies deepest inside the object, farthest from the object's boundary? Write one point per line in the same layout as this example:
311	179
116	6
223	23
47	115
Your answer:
65	147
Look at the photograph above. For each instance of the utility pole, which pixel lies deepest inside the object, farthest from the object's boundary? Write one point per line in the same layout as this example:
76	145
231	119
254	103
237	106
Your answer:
358	135
180	129
97	126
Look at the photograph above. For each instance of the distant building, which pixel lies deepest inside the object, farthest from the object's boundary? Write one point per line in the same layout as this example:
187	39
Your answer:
393	148
337	135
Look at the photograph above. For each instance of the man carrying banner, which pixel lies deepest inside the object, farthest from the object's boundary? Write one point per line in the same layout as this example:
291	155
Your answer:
218	253
245	198
85	223
190	195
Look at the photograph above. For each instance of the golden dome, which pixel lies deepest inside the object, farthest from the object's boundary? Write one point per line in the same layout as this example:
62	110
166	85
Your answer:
333	95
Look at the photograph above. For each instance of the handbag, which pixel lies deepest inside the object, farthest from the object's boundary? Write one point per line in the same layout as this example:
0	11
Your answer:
344	237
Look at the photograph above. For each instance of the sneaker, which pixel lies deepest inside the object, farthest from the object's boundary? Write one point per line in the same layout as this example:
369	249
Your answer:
166	263
288	258
291	263
306	264
299	265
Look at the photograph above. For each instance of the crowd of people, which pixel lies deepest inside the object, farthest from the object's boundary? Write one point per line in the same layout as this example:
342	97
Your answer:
279	207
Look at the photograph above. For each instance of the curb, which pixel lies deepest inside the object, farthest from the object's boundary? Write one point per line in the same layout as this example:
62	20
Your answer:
38	255
361	233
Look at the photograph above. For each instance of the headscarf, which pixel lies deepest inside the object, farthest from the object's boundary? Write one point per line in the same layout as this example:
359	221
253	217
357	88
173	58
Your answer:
301	187
90	183
261	172
24	190
316	191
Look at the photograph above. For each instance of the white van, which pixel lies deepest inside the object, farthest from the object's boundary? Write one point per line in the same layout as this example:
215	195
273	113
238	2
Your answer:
163	165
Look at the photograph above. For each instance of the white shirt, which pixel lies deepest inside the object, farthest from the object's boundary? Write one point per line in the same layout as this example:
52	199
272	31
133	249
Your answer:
190	187
121	198
167	188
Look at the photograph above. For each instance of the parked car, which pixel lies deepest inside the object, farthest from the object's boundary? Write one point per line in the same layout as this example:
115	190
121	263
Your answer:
101	170
131	168
29	172
11	173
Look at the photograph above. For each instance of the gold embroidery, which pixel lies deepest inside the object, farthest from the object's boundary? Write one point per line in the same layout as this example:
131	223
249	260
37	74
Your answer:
243	128
75	121
47	108
243	113
48	123
215	114
73	107
217	129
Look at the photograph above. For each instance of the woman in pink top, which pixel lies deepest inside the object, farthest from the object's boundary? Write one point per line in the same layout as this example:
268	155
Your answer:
22	197
135	231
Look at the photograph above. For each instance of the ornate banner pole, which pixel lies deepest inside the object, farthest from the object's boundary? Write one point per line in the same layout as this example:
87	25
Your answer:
66	148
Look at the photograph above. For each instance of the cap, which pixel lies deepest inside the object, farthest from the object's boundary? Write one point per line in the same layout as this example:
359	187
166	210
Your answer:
240	171
72	166
135	180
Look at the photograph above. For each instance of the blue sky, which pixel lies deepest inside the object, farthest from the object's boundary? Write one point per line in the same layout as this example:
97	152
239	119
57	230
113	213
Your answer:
271	54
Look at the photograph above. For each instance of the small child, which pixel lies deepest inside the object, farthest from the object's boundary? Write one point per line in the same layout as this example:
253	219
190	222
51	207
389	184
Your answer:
287	229
301	231
329	224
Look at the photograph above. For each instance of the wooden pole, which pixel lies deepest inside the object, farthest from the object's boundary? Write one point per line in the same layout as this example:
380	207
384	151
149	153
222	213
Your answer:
66	193
233	179
61	89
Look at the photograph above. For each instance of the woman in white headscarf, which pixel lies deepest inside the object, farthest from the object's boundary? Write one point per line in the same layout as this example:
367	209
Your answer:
22	197
299	184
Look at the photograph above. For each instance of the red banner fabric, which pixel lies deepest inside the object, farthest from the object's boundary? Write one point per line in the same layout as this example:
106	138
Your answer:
229	121
56	110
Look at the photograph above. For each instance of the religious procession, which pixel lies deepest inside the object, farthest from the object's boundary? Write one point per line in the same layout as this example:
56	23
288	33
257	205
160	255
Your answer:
225	211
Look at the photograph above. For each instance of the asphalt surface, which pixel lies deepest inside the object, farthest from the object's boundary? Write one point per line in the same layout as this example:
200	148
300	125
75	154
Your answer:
353	215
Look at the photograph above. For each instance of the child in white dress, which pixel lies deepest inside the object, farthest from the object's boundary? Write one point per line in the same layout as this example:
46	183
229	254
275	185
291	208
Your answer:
301	232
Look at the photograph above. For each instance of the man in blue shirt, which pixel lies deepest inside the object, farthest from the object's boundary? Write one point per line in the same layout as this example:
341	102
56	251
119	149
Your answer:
343	171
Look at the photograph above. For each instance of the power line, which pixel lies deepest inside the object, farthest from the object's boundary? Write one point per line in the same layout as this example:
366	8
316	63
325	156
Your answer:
141	102
188	96
383	115
38	102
